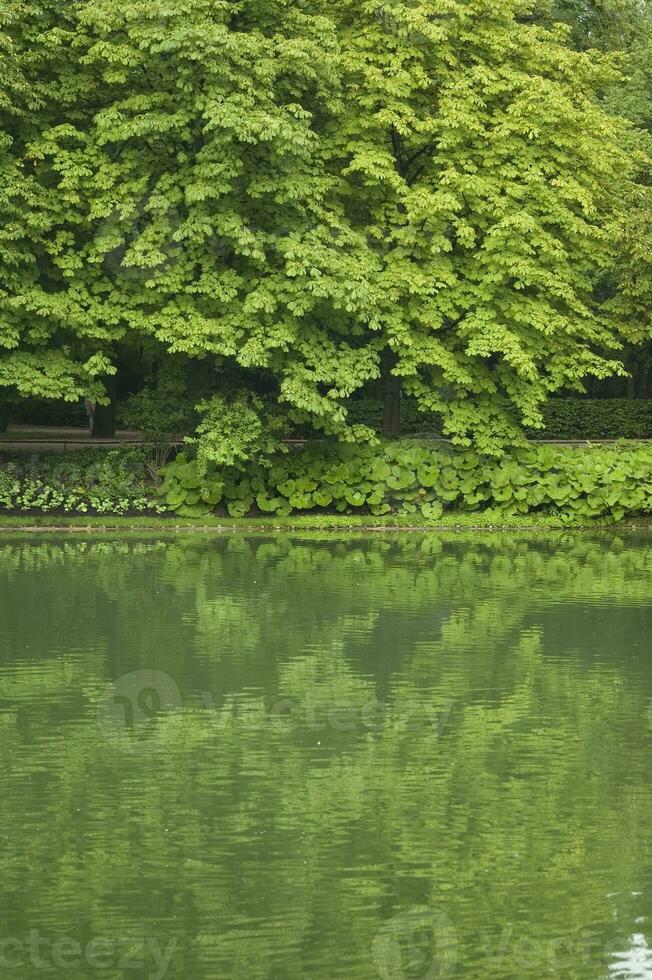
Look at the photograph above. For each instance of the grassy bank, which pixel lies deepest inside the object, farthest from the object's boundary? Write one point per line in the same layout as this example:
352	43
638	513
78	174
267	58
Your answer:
316	522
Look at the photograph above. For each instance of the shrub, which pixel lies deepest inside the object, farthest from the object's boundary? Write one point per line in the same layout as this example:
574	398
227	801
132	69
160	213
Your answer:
411	477
394	477
85	481
369	411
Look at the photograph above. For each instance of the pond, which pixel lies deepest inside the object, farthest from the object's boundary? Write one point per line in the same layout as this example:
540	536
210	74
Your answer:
364	756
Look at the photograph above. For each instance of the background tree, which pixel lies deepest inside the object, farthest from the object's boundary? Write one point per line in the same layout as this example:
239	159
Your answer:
609	25
627	27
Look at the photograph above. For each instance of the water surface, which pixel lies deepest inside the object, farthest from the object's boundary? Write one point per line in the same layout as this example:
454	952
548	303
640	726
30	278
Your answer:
355	757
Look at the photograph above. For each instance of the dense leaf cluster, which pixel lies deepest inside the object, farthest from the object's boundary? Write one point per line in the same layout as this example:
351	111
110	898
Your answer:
326	195
420	478
85	481
406	478
598	418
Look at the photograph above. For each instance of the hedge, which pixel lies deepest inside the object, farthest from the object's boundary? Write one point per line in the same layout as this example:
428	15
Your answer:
411	477
593	418
369	411
41	411
564	418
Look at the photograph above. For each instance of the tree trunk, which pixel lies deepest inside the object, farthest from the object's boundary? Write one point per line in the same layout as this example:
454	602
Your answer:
391	396
104	417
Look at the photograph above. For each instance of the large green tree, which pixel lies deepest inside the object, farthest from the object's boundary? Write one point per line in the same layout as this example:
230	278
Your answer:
46	350
424	191
487	174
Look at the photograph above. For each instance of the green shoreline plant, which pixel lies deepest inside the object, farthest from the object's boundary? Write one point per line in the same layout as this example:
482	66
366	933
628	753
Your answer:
410	477
405	478
88	481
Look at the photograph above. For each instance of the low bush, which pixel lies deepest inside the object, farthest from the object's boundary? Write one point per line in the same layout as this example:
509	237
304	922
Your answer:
406	477
84	481
411	477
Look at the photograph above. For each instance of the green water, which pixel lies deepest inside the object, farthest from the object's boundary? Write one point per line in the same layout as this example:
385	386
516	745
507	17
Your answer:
403	757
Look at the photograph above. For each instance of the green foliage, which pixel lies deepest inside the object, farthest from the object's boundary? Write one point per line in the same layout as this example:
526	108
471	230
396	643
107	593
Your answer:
632	295
84	481
164	410
563	418
161	411
488	315
302	190
369	412
42	412
597	418
235	430
606	24
417	478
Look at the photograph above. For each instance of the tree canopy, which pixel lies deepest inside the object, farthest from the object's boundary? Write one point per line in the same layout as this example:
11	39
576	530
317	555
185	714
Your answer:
326	194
